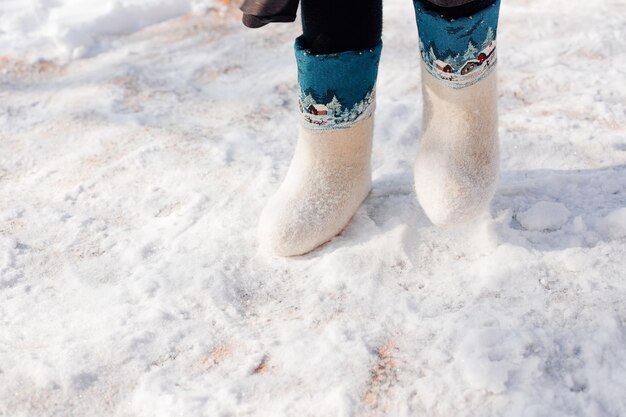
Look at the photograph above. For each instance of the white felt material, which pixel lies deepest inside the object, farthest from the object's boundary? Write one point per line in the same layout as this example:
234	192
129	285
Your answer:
328	179
457	163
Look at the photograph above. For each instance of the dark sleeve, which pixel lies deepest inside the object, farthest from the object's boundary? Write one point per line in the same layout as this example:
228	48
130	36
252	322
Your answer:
257	13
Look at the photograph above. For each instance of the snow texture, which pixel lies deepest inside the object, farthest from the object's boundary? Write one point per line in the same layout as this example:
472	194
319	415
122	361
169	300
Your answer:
65	29
131	183
544	215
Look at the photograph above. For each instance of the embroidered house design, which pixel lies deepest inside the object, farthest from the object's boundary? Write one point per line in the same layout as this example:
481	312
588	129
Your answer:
318	109
334	113
462	69
488	53
442	66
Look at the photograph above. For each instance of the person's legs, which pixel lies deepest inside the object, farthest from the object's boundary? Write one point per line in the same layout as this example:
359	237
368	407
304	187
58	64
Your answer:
329	175
457	163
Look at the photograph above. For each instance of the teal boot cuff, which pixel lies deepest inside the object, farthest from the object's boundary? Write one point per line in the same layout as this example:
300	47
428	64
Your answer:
458	52
336	90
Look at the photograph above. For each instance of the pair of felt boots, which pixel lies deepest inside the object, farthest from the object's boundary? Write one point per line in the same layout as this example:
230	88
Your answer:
457	162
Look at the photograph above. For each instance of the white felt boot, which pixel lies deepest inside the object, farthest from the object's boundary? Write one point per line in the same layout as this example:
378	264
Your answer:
328	179
457	163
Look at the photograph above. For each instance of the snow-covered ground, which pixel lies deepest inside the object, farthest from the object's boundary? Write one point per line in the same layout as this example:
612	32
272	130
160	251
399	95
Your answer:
139	142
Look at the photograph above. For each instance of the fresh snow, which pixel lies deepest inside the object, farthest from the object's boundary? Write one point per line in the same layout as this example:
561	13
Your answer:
544	216
66	29
137	151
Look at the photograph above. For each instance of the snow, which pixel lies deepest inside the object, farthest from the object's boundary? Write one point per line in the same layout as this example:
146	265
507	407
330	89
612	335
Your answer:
68	29
133	172
614	224
544	215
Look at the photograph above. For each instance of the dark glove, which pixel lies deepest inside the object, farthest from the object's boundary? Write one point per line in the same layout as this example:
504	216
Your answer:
257	13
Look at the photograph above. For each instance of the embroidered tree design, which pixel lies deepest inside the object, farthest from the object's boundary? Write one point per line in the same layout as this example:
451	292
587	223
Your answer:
327	97
334	106
471	52
431	55
307	100
490	37
452	60
357	110
345	115
310	92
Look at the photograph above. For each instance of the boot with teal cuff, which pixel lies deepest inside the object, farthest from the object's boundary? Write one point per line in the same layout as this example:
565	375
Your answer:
457	163
329	175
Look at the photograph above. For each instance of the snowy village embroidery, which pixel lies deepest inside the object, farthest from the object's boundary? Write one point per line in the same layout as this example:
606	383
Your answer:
336	90
458	52
332	113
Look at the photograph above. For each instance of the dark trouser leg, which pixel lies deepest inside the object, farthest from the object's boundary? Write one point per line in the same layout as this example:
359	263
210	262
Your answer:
457	8
332	26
